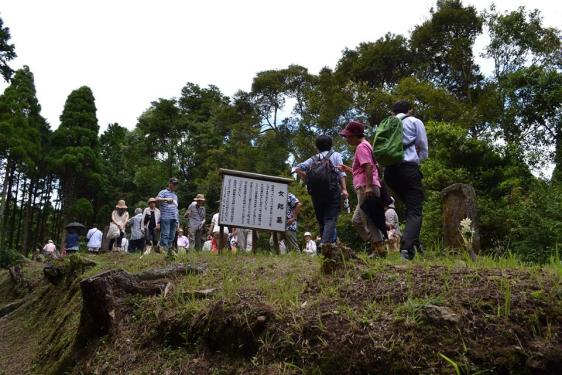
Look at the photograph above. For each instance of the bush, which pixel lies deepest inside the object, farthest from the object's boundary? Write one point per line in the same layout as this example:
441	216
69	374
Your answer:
10	258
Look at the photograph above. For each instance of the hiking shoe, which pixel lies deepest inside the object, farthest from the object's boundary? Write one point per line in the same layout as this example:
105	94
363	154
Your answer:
378	249
406	254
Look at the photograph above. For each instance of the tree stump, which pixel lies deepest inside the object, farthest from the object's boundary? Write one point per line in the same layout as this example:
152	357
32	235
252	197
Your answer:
335	256
459	203
104	293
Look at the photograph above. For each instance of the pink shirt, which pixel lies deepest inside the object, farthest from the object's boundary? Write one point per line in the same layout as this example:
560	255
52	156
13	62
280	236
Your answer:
363	156
50	248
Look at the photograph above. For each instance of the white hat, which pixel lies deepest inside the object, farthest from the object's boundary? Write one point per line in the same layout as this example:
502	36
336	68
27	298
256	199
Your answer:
307	234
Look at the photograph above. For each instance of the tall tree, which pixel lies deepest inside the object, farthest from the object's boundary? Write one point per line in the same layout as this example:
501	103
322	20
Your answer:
7	51
75	154
23	135
526	82
443	48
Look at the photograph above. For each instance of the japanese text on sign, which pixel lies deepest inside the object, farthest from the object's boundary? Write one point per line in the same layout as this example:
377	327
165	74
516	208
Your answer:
253	203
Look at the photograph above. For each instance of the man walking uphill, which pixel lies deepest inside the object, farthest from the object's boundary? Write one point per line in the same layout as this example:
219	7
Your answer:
405	178
326	185
169	215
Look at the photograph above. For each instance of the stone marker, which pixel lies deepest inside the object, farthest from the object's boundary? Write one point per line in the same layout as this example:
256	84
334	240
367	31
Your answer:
459	202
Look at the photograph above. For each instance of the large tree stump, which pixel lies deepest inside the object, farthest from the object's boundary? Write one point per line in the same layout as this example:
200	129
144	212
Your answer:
459	202
104	293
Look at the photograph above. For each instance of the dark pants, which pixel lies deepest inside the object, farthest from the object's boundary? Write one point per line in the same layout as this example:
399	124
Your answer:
151	236
136	245
327	210
118	240
405	179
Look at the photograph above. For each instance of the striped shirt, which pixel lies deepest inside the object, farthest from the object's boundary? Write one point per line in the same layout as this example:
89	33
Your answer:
169	211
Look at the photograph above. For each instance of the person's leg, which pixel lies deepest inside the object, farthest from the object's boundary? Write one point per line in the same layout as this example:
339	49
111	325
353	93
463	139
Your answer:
406	181
165	225
319	208
192	235
242	235
291	241
359	218
199	239
331	213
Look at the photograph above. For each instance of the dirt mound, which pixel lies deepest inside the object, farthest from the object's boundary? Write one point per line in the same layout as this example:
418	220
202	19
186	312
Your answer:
270	315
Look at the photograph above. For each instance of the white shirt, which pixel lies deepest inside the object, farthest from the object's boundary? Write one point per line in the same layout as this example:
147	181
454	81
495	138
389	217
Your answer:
310	248
215	224
94	237
207	245
414	130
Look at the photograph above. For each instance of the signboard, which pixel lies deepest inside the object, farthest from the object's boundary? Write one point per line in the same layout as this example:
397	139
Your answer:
250	200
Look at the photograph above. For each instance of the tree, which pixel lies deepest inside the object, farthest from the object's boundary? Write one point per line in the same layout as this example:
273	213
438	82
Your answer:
24	133
443	48
7	52
526	82
379	64
75	156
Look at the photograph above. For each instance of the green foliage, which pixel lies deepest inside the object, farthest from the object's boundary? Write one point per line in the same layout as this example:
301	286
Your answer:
10	258
7	51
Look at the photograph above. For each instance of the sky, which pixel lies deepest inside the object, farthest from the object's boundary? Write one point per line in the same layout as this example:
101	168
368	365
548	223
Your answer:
132	52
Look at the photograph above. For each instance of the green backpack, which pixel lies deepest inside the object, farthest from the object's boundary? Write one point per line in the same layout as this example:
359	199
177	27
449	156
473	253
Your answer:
387	145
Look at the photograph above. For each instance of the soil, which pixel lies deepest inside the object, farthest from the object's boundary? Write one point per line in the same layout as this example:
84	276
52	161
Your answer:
271	315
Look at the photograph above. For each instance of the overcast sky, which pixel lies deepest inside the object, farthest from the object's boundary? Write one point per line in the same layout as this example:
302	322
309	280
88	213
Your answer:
133	52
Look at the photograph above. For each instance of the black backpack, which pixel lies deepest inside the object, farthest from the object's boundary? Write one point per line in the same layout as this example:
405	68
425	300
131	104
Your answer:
322	177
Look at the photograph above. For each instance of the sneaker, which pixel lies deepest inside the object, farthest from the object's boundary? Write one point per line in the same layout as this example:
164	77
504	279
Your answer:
406	254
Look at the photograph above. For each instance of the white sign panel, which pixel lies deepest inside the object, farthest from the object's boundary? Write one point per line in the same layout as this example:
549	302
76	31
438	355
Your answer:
253	203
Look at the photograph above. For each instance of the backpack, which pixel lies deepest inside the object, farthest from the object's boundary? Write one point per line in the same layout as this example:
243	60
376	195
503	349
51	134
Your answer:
322	176
387	144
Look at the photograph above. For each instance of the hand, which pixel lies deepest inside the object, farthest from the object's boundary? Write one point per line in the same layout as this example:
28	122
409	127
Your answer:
369	192
344	168
157	227
344	194
291	221
169	200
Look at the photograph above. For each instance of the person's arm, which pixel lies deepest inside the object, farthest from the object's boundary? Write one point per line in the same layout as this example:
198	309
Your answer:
344	168
342	175
296	212
421	141
369	181
302	168
159	198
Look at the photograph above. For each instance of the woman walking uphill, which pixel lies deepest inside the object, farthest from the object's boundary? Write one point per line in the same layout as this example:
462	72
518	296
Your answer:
366	183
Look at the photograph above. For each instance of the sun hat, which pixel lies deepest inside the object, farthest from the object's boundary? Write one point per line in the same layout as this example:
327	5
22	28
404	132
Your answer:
353	128
152	200
199	197
307	234
121	204
50	241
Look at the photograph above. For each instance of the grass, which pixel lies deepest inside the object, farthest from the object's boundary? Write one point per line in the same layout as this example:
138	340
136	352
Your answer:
376	302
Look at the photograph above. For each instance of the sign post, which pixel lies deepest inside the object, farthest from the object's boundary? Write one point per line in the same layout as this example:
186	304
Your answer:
253	201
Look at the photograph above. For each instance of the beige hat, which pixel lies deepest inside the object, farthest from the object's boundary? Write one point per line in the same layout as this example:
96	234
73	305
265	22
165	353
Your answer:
307	234
199	197
151	200
121	204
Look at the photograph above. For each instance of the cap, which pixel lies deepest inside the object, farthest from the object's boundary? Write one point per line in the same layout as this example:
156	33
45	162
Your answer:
307	234
199	197
353	128
173	180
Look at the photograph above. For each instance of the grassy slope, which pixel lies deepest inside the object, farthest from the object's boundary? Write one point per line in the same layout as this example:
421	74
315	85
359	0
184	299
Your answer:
280	315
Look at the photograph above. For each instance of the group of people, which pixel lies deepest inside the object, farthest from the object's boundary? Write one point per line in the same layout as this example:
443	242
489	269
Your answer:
325	174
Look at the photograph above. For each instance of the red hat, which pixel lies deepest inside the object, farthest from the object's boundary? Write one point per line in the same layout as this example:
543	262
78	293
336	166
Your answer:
353	128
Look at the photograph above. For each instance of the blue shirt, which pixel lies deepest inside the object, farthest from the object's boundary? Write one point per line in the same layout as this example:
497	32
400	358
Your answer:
169	211
71	240
414	130
335	158
292	202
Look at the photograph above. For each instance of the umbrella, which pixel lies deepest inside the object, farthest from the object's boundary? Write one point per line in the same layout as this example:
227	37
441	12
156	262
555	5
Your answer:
75	226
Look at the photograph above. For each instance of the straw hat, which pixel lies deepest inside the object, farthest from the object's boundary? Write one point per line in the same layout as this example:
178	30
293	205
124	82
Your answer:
121	204
199	197
307	234
151	200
